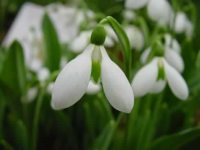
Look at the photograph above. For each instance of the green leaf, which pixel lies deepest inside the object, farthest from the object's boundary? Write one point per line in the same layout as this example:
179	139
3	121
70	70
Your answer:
52	45
176	140
104	139
13	72
5	146
19	133
123	39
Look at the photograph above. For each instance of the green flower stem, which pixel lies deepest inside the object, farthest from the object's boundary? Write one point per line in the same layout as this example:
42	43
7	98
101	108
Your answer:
37	117
124	41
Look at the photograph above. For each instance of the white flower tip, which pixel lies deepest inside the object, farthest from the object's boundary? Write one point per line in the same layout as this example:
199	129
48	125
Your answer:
93	88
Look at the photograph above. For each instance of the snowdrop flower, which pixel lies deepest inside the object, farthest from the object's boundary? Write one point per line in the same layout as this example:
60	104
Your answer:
135	36
129	15
43	74
152	78
183	24
160	11
135	4
171	54
72	83
93	88
80	42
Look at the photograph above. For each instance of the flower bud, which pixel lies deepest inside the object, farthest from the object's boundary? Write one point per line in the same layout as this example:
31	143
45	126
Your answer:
98	35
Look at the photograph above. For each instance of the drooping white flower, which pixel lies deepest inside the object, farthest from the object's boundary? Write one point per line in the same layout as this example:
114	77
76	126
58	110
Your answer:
147	79
81	41
135	4
183	24
129	15
72	83
160	11
171	54
135	36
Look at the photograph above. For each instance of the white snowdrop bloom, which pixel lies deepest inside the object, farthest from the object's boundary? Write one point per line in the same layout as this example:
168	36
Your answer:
183	24
111	37
50	87
135	36
180	22
172	43
129	15
32	94
93	88
43	74
147	79
72	82
160	11
171	54
81	41
135	4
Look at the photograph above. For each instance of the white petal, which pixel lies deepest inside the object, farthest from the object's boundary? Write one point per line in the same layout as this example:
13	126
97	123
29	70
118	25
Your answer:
145	79
160	11
43	74
172	43
109	42
135	36
158	86
93	88
180	22
72	82
144	56
176	82
174	59
80	42
129	15
115	84
135	4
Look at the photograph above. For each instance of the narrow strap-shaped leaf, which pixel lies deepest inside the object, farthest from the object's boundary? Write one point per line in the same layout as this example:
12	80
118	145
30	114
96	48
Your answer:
13	73
176	140
52	45
123	39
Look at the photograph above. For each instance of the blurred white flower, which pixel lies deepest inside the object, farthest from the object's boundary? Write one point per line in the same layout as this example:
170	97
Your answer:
50	87
135	36
171	54
79	43
129	15
183	24
160	11
147	79
93	88
135	4
32	94
43	74
72	83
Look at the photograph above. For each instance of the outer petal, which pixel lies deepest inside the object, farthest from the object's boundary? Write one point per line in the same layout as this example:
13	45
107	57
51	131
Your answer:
144	56
135	4
160	11
172	43
176	82
135	36
115	84
180	22
80	42
158	86
145	79
72	82
174	59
